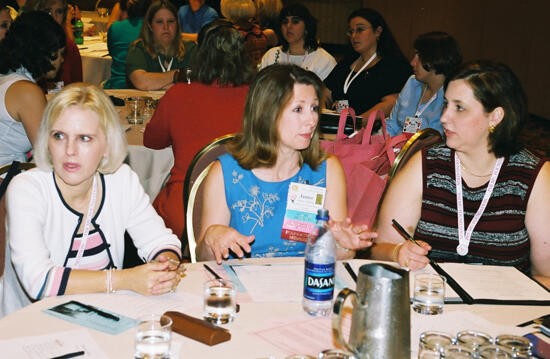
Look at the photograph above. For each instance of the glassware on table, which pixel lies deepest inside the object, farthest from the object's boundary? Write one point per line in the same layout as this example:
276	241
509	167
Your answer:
219	301
458	351
299	356
432	344
520	347
135	105
103	11
429	293
494	351
473	339
335	354
152	337
148	108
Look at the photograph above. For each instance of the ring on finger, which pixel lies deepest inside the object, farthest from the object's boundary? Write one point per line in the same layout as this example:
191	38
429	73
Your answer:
407	263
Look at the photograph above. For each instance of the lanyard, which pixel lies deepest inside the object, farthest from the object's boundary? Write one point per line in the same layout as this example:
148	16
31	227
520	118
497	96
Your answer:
169	64
464	238
418	112
87	224
348	81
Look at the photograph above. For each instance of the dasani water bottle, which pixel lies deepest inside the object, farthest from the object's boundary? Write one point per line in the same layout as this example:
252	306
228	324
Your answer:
319	272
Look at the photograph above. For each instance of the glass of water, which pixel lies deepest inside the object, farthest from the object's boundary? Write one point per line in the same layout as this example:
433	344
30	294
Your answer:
153	333
429	293
219	301
432	344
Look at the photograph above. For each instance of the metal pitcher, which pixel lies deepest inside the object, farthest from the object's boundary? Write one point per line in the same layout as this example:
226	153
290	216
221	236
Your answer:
380	325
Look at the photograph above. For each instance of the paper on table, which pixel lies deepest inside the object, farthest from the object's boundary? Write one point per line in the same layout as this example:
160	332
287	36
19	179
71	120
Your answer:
272	283
495	282
450	295
310	336
51	345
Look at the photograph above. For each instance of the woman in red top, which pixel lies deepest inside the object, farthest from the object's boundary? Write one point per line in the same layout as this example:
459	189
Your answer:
190	115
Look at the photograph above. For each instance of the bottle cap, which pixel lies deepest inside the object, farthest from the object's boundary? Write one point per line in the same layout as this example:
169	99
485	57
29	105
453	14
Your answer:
322	214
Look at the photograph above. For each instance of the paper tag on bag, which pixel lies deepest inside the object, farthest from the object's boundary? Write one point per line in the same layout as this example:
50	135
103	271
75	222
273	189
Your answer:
302	204
412	124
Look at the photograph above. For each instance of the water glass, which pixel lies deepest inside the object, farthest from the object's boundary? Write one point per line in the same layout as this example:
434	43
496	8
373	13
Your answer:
520	347
493	351
432	344
457	351
335	354
219	301
429	293
135	106
299	356
153	333
473	339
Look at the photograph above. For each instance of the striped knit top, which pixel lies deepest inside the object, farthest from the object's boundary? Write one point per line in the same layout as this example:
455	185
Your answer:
500	237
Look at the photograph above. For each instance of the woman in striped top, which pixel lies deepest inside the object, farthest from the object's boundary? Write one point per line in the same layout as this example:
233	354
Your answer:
481	197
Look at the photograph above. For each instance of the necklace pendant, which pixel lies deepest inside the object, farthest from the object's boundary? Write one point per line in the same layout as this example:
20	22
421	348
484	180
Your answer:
462	250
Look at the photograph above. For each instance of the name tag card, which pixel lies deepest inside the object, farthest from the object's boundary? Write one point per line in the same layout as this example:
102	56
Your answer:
412	124
301	209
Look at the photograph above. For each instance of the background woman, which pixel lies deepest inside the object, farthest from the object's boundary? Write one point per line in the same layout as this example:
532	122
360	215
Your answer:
372	78
119	37
189	116
5	21
66	219
32	50
421	100
159	52
71	71
485	109
299	43
279	144
242	13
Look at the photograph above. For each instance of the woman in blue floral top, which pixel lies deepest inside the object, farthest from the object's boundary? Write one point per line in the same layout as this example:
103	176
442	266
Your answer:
279	145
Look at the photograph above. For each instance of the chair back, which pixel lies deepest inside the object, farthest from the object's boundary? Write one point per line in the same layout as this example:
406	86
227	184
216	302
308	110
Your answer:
14	168
419	140
192	196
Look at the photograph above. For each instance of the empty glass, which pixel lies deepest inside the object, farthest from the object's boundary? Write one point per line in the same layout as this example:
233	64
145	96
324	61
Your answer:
493	351
457	351
473	339
432	344
335	354
519	346
135	105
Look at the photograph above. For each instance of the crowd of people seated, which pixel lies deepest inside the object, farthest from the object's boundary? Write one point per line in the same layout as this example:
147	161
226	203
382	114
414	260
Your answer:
477	197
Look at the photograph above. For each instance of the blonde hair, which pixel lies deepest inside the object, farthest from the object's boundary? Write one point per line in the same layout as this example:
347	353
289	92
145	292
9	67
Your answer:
238	10
88	97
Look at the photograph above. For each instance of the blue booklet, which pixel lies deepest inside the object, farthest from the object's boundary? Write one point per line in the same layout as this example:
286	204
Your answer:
92	317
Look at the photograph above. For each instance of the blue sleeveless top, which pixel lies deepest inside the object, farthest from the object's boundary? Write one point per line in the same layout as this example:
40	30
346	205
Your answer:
258	207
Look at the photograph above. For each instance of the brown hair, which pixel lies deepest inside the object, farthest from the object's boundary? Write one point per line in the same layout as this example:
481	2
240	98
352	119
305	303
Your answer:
269	94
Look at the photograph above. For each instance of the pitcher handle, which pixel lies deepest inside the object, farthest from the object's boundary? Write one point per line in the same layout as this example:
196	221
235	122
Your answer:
337	318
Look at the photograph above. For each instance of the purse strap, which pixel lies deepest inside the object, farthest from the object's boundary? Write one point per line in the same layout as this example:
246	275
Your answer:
367	134
348	111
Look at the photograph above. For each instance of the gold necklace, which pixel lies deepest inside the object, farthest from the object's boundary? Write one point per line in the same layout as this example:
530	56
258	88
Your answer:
473	174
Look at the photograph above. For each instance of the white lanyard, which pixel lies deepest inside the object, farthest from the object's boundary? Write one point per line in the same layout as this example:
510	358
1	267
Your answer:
169	64
464	238
419	112
348	81
87	224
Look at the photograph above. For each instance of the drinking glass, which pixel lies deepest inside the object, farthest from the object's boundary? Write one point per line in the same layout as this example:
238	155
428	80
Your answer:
219	301
135	106
520	347
457	351
429	293
152	337
493	351
473	339
335	354
432	344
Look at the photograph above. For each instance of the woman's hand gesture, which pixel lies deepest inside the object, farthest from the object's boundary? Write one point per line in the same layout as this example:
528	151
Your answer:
220	239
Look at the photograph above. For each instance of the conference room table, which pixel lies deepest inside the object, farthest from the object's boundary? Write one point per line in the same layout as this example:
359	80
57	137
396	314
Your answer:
96	61
270	323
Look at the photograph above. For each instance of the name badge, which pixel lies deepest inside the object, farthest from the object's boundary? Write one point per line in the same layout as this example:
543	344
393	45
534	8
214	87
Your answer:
302	204
341	105
412	124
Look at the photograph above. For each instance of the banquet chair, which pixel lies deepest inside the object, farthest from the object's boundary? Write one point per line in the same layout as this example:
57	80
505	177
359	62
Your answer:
17	168
192	194
419	140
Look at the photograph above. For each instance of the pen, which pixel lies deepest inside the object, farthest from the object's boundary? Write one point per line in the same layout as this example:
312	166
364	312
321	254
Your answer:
350	271
98	311
70	355
216	275
410	238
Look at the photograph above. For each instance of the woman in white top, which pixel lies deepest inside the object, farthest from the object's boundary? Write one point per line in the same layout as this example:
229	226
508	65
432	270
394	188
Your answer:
66	219
32	49
299	43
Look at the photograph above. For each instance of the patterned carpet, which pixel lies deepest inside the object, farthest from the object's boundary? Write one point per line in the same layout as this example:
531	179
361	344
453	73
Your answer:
536	135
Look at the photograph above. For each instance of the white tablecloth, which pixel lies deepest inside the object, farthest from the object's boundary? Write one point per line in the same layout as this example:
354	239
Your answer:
96	62
253	327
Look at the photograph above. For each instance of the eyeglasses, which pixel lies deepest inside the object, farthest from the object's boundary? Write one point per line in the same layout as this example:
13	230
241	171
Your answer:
357	31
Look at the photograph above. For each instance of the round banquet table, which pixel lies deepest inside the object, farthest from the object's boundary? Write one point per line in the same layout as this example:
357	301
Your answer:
260	330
